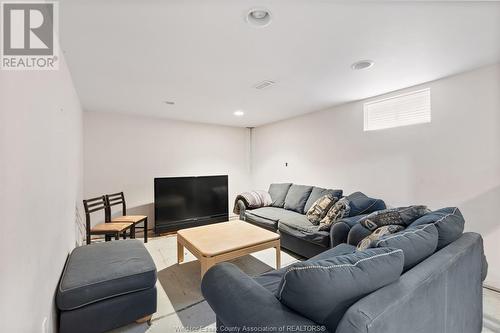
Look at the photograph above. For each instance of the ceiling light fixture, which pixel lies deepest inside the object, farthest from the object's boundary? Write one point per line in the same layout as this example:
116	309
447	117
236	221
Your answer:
259	17
169	102
362	64
238	113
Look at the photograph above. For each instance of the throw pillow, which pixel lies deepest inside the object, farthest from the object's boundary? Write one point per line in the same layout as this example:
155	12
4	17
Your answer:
323	290
417	243
318	192
339	210
296	198
319	209
377	234
395	216
448	221
278	193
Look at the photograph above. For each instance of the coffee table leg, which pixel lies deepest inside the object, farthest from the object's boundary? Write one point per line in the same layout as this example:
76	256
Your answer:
180	253
206	263
278	256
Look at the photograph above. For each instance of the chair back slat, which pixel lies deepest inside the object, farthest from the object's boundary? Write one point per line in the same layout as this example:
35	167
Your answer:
113	200
94	204
90	206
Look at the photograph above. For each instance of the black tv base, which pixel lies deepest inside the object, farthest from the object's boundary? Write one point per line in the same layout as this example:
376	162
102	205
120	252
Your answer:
189	223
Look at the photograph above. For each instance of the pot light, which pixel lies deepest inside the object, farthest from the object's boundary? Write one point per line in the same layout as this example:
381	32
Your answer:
362	64
238	113
259	17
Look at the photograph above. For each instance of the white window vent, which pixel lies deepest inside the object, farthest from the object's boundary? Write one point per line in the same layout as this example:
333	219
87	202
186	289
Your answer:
402	110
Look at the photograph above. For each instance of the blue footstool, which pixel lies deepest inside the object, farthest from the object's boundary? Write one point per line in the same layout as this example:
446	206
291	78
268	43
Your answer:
105	286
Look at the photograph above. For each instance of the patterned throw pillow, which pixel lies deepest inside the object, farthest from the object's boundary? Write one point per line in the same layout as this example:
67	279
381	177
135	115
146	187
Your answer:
377	234
403	216
339	210
382	218
320	207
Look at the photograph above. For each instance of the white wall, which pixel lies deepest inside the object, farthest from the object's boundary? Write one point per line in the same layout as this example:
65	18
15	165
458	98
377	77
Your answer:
40	186
125	153
453	161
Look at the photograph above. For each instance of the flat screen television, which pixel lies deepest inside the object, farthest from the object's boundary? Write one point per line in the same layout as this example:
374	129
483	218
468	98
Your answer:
182	202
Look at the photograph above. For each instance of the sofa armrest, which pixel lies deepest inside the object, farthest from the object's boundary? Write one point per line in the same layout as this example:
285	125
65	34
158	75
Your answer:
239	301
340	230
242	207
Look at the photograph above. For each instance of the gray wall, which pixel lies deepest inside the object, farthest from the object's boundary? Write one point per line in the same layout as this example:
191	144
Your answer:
454	160
40	188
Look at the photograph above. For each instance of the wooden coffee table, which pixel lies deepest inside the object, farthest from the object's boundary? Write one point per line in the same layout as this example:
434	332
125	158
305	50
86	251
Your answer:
224	241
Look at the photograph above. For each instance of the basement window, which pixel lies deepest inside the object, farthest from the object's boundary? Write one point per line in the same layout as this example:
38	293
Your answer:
402	110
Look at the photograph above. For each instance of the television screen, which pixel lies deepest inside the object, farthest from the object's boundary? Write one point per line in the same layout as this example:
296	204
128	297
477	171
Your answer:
184	199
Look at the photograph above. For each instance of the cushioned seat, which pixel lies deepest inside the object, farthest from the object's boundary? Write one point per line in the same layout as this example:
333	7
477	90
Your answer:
298	225
266	217
104	270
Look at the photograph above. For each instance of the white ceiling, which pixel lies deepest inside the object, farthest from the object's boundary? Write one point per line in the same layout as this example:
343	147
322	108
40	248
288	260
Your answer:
130	56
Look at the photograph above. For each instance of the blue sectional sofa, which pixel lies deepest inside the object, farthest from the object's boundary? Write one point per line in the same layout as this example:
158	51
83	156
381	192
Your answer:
287	216
426	278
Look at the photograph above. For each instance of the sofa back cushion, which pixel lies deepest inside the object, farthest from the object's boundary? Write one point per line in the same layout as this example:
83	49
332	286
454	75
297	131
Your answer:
296	198
318	192
448	221
323	290
359	203
418	243
278	193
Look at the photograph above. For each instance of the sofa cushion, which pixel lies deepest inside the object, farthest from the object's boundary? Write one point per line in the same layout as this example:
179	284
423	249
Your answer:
296	197
339	250
271	280
448	221
378	234
99	271
359	203
278	193
356	234
402	216
318	192
323	290
417	243
338	211
268	217
319	209
298	225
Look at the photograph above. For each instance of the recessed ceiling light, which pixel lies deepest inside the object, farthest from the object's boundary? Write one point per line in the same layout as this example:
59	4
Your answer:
259	17
169	102
362	64
238	113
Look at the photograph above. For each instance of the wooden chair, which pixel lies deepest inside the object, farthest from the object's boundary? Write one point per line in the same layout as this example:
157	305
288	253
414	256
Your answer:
106	229
117	199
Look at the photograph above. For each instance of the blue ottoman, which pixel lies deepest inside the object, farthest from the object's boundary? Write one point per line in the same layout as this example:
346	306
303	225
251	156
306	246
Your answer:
105	286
